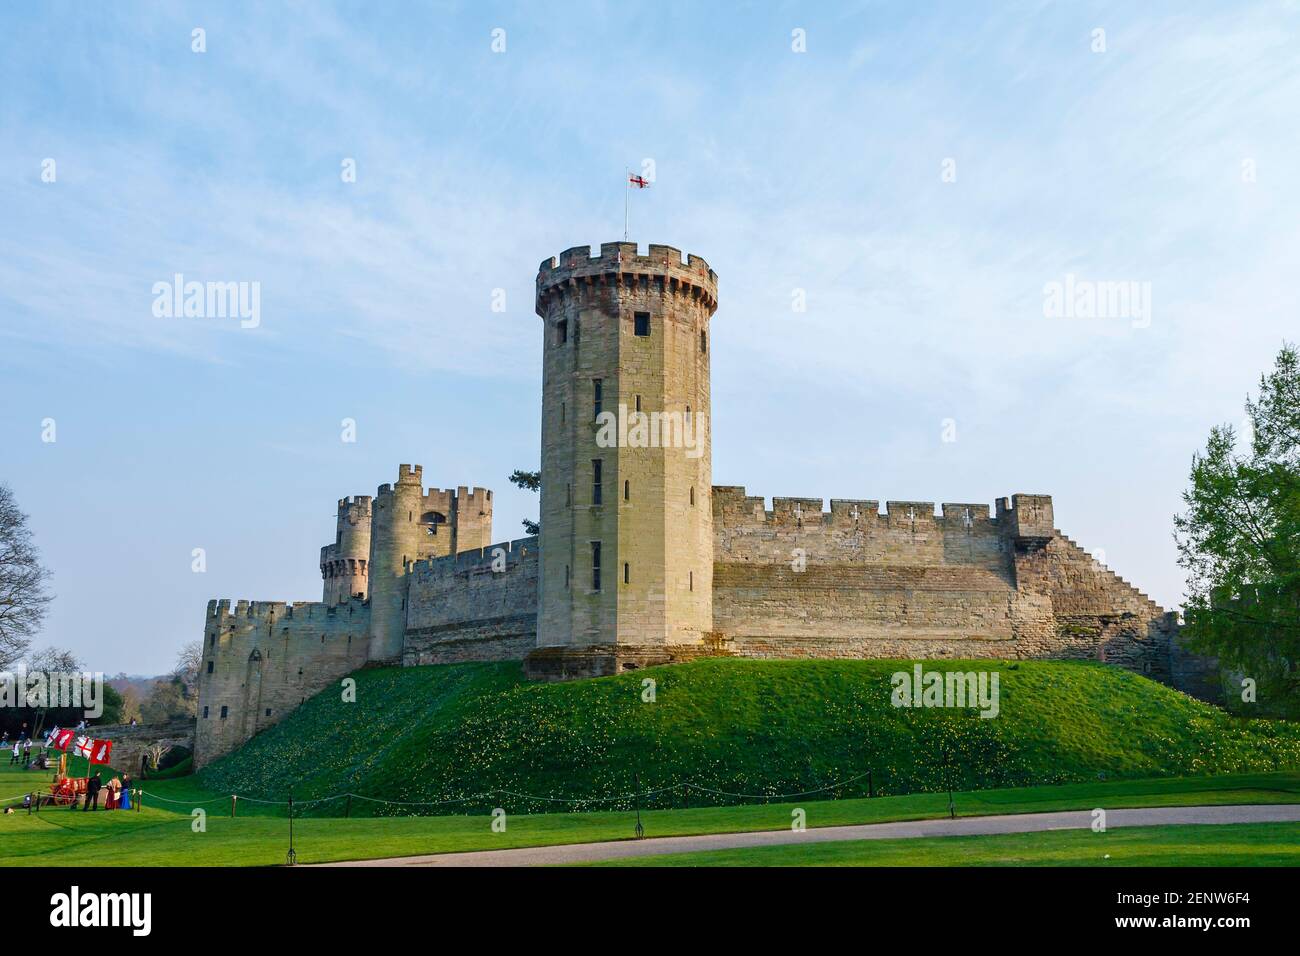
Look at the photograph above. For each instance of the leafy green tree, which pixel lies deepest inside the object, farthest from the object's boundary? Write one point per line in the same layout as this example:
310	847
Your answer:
1239	542
529	481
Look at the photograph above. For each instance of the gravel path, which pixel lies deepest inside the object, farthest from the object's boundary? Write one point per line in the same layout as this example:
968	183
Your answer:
963	826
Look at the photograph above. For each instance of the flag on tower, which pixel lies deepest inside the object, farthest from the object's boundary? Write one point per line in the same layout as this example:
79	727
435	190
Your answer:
640	182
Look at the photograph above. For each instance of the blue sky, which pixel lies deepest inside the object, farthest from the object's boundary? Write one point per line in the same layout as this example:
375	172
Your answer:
818	171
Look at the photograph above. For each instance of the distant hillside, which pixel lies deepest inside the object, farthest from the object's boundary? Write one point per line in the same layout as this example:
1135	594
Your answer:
742	726
134	682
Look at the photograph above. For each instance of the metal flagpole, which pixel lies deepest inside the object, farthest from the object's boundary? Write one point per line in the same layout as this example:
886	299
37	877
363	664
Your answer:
627	180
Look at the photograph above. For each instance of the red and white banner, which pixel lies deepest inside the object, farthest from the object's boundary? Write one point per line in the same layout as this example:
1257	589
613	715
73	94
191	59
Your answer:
100	750
83	747
61	740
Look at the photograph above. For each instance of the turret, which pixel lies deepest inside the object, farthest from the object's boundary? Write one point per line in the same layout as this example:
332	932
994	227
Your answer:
344	564
408	524
396	532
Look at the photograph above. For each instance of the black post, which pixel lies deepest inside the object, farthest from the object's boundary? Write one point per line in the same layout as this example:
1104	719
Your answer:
640	830
291	857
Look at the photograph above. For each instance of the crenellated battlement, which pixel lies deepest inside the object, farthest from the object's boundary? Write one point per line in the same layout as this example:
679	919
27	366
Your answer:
621	264
220	610
476	499
734	508
1029	518
354	505
406	475
514	552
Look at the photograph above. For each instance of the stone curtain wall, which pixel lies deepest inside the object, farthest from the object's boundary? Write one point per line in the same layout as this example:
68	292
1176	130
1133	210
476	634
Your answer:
912	584
1089	612
906	583
462	609
264	658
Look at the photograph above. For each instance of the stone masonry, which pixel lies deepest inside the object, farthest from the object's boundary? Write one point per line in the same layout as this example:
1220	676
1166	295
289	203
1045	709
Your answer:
641	560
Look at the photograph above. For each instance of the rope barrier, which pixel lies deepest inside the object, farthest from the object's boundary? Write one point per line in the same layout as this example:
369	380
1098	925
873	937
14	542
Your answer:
770	796
415	803
188	803
541	798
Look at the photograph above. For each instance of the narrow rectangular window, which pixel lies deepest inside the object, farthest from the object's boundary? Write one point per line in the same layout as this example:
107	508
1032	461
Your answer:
641	323
268	711
209	667
597	397
596	479
566	577
205	713
691	580
568	496
627	573
562	331
704	342
595	565
224	711
563	412
627	490
638	403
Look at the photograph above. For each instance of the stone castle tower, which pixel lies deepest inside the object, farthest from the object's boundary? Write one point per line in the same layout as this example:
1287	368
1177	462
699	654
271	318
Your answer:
378	540
344	564
626	516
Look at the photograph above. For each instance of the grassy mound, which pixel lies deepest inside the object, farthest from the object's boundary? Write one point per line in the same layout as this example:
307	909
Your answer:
752	728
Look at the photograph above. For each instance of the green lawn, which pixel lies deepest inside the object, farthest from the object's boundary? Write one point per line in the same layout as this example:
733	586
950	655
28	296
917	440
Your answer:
161	834
1238	844
1069	736
456	732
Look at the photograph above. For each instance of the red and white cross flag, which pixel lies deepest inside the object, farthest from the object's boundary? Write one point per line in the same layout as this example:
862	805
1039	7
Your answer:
84	747
640	182
101	750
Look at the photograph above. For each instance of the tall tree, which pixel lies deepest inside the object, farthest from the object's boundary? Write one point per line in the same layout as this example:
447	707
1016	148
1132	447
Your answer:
23	595
1239	541
166	702
188	660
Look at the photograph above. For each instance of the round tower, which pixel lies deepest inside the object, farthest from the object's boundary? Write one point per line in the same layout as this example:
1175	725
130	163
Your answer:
395	536
626	516
343	564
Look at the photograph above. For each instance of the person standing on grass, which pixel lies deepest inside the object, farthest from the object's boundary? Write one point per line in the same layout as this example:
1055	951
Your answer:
14	759
27	754
92	791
